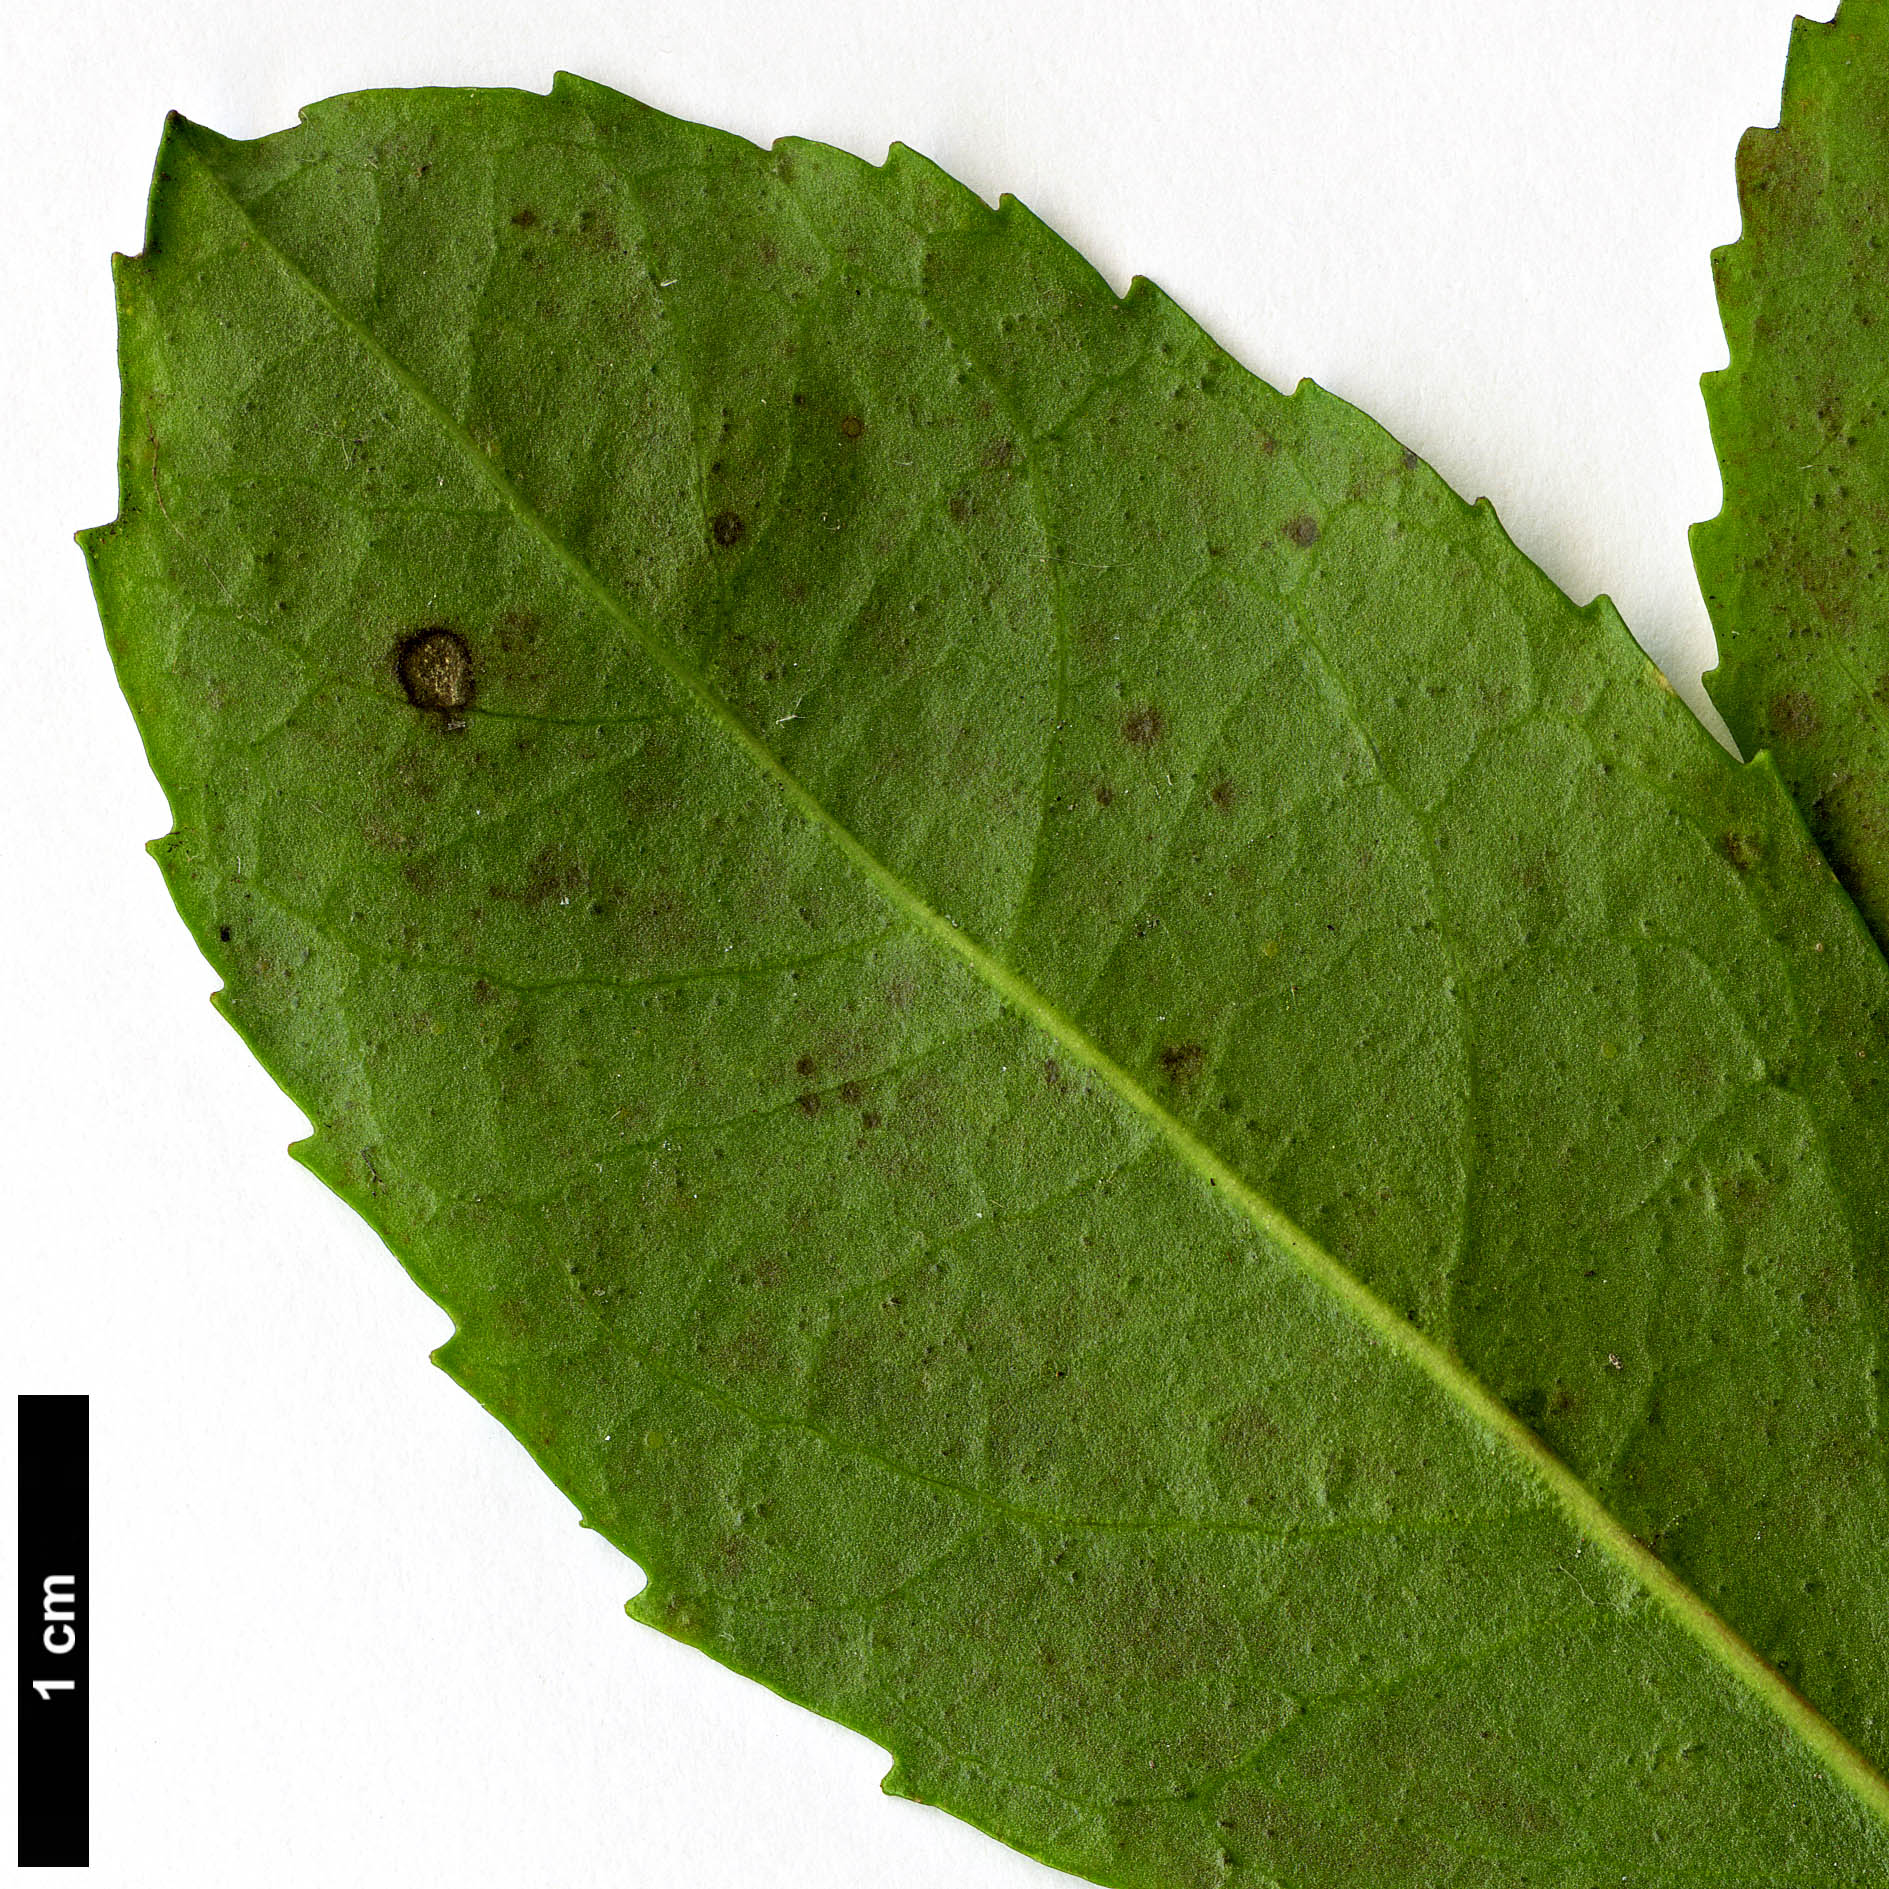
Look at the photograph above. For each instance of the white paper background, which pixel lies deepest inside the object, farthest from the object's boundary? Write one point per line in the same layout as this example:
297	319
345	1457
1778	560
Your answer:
343	1631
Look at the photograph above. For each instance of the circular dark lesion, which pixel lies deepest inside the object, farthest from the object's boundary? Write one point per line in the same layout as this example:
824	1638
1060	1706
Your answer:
435	669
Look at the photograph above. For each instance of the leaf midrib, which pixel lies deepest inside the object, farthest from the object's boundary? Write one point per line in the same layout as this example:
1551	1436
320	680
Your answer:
1584	1509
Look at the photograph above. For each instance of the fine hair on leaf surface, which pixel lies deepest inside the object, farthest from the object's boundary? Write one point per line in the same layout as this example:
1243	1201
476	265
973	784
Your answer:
1138	1115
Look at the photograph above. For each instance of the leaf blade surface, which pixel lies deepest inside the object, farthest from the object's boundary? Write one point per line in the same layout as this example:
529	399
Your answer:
951	783
1792	565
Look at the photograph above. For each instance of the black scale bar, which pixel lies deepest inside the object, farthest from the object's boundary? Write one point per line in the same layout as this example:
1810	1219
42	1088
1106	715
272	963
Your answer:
55	1632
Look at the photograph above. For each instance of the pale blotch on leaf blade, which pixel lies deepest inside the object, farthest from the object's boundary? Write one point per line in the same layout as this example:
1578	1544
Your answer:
1021	1073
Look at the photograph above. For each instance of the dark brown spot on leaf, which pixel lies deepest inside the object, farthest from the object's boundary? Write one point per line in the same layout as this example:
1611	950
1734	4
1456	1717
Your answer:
852	426
1303	530
1741	849
728	528
1224	795
805	1066
526	217
851	1094
435	669
1180	1062
555	876
1143	727
810	1104
1104	794
1794	716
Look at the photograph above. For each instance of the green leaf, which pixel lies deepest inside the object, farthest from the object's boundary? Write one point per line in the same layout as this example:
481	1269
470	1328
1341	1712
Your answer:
1793	567
1143	1119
